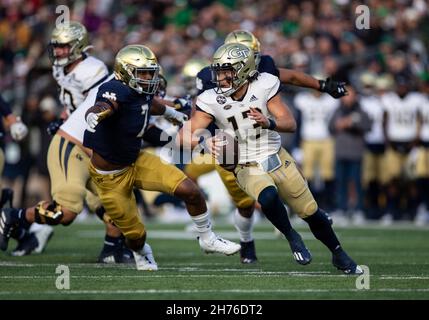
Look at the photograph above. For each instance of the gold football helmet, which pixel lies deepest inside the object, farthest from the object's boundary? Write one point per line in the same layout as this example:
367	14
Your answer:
189	74
247	38
237	58
72	34
132	62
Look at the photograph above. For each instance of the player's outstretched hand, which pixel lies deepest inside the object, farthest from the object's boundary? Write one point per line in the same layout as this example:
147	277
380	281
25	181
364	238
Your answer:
174	116
92	121
334	88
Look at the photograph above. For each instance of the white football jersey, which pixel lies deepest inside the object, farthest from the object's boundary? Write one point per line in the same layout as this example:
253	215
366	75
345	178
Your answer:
402	116
315	114
255	143
424	112
75	85
374	108
75	124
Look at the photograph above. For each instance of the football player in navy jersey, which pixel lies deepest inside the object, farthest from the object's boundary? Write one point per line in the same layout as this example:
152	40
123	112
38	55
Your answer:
116	124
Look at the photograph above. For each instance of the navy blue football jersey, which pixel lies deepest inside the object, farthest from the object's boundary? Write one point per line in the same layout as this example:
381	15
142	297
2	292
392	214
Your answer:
204	77
118	137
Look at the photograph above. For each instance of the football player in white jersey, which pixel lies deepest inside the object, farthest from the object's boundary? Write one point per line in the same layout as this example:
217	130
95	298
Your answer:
248	106
373	172
314	111
400	126
74	70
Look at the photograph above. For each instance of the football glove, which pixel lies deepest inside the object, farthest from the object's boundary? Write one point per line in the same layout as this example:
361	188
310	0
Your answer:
18	130
53	126
92	120
183	105
334	88
175	116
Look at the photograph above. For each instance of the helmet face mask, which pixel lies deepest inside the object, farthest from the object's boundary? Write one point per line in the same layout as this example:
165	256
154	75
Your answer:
239	60
137	67
72	35
145	80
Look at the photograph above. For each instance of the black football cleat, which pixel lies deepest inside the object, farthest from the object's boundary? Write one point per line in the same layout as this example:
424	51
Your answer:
116	254
8	223
300	252
26	245
343	262
248	252
127	255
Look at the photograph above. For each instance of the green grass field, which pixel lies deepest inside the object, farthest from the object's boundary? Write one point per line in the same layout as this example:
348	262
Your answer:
398	259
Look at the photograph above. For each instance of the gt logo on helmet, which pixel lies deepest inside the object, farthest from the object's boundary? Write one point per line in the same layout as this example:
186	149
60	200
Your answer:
237	52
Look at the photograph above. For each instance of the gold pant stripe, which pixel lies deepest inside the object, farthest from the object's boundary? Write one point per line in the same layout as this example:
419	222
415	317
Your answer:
71	191
67	153
62	140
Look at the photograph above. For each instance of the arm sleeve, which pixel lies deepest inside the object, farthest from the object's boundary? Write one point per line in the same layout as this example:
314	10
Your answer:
5	109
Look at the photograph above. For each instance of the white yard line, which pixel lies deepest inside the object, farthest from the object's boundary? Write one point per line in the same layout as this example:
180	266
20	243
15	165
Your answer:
191	291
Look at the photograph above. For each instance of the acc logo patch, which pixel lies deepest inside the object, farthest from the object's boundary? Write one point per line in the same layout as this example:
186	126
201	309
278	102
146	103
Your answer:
221	99
109	95
227	107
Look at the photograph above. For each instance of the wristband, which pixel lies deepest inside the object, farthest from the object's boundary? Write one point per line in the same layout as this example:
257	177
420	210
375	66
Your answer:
272	125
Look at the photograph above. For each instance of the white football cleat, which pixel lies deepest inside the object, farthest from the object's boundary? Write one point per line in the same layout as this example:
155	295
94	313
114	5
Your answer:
216	244
43	234
145	260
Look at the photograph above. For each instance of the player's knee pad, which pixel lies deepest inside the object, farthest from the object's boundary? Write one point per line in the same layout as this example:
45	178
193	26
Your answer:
52	215
268	197
308	208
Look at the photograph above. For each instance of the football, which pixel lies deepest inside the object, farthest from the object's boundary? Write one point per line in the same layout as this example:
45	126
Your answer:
229	153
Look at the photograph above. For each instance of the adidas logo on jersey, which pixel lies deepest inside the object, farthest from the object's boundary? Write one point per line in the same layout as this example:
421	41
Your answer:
253	98
109	95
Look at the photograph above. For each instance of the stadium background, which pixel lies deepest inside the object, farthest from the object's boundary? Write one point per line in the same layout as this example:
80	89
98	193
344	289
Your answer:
317	37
